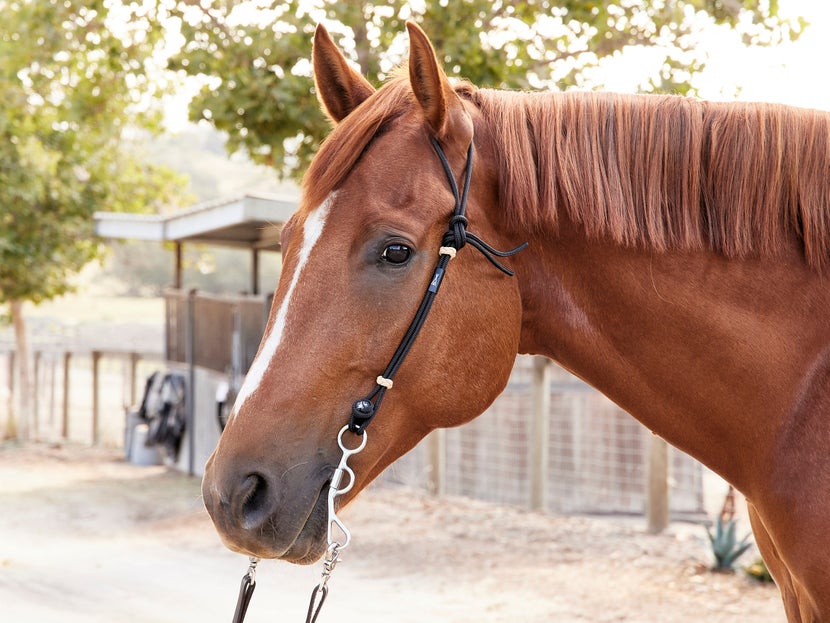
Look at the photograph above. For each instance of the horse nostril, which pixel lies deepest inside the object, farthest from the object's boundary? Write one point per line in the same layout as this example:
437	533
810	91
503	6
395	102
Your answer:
254	493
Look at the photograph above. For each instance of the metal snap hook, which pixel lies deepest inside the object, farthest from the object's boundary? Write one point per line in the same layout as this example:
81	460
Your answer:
336	490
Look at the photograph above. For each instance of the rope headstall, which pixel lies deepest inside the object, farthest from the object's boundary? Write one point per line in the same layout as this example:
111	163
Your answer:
364	410
453	240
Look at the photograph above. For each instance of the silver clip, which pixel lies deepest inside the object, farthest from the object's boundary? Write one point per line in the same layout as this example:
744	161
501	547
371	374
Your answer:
329	563
254	561
335	490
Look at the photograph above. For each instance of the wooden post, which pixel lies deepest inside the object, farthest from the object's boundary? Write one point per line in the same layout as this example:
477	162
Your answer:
190	412
657	504
96	359
179	268
134	357
540	434
36	358
67	356
437	441
254	271
53	364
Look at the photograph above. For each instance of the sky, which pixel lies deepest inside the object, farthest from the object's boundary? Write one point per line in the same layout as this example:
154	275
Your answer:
792	73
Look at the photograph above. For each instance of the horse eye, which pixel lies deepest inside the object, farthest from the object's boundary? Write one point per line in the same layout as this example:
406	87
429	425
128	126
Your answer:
396	253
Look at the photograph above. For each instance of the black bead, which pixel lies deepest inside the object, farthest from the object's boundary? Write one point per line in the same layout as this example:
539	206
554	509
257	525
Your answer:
363	409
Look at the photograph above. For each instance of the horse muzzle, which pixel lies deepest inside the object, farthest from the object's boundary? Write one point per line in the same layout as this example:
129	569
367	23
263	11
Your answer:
269	512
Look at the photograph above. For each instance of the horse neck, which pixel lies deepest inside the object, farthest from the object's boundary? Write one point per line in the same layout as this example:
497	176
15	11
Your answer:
701	350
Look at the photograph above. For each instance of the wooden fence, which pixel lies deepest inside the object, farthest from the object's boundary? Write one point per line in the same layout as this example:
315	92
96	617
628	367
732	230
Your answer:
78	395
549	442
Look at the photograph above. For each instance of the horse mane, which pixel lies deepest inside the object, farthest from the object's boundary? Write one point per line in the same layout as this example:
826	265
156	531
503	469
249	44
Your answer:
664	172
656	171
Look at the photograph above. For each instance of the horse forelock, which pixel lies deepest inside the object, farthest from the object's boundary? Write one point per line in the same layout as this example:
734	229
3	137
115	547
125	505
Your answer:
664	172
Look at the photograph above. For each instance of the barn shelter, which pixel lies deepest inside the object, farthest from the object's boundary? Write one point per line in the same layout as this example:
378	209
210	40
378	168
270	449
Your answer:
210	339
251	221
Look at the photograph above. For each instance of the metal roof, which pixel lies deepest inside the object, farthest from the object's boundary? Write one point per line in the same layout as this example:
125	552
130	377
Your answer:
250	221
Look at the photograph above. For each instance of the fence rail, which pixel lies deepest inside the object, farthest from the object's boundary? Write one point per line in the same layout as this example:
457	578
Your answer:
549	442
78	395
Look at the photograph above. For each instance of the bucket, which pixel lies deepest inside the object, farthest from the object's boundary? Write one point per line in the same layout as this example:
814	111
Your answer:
140	454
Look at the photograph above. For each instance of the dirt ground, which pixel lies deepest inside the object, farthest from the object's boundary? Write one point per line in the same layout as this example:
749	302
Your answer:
86	537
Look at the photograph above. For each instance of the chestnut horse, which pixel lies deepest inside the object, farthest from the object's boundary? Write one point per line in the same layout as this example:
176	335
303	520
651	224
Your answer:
677	261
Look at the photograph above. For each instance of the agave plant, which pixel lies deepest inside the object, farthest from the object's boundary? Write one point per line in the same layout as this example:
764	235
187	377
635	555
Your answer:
725	545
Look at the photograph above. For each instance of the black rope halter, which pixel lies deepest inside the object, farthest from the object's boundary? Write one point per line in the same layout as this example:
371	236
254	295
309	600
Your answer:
363	410
455	238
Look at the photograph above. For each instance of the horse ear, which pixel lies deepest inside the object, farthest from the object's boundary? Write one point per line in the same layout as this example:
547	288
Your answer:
429	82
340	88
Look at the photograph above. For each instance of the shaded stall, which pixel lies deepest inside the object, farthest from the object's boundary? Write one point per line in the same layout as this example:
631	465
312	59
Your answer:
210	339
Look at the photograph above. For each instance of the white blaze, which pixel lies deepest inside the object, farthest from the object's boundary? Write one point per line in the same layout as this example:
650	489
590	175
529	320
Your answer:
312	228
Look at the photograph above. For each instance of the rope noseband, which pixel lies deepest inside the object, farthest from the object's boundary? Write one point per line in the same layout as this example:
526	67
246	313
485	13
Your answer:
454	239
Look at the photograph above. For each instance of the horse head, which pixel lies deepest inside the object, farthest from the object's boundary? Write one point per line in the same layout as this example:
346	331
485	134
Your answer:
358	255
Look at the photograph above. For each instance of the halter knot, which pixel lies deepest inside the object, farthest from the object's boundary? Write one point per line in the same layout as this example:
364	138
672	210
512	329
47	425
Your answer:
456	235
362	413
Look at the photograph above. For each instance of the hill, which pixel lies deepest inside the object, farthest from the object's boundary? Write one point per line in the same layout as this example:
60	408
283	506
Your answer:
199	152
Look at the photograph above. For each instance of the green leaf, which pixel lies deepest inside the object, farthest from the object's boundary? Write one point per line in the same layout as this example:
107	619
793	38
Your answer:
67	99
537	44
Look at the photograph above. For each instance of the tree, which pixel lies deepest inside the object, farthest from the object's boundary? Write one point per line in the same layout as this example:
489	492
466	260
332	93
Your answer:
259	92
73	86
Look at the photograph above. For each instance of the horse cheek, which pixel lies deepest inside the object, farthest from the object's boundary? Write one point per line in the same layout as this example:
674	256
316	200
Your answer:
483	343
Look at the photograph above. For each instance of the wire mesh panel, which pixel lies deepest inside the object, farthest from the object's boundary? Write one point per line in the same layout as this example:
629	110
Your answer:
487	459
596	453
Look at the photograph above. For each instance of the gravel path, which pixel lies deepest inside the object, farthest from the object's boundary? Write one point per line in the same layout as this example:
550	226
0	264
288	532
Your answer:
86	537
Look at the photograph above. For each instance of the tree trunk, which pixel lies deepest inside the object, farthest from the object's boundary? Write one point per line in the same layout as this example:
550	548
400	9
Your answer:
25	381
361	44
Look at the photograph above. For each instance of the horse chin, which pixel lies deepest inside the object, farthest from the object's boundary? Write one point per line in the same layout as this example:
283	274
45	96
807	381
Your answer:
307	547
310	544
